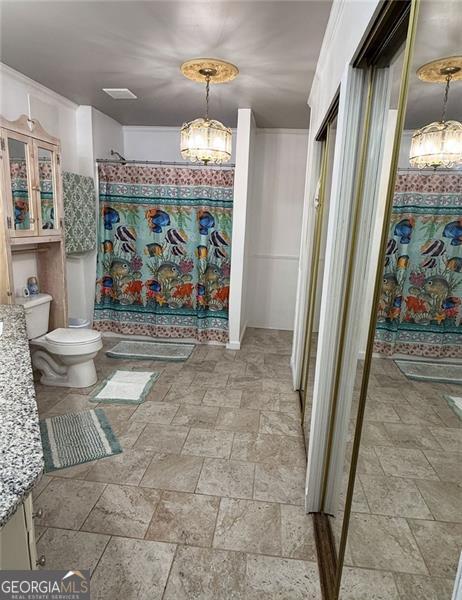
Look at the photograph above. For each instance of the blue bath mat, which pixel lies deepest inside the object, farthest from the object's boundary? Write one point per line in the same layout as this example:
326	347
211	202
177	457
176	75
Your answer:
77	438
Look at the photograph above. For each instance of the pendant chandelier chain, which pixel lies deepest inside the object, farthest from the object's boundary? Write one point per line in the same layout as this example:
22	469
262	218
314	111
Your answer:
446	94
207	94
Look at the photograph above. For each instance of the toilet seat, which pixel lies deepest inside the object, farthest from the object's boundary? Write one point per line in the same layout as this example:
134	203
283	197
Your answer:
67	335
70	342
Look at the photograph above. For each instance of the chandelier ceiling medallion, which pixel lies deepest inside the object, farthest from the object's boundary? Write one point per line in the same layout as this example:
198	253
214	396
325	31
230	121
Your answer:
207	140
439	144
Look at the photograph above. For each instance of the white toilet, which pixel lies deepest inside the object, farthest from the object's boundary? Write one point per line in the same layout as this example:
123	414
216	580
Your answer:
63	356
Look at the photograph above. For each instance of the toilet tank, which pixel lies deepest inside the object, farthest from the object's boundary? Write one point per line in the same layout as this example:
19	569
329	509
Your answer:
37	309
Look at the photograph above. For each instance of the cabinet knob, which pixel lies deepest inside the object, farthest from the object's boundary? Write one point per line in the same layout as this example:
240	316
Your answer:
41	561
38	514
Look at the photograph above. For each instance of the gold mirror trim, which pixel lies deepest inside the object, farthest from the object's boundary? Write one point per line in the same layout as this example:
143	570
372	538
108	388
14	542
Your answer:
352	251
402	104
314	270
222	71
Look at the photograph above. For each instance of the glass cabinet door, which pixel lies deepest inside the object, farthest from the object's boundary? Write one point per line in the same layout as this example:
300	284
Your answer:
46	188
21	210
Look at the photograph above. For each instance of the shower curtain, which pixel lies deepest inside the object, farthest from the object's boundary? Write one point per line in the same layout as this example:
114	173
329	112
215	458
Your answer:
164	251
420	309
20	193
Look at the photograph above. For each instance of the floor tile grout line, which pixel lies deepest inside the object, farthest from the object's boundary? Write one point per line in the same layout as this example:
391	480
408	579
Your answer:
101	556
95	503
170	570
418	545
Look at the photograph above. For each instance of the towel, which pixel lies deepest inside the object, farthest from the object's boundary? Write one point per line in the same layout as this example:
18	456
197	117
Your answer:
79	213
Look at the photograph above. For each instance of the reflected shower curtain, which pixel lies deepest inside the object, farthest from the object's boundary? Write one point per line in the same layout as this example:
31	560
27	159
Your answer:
20	193
420	310
164	251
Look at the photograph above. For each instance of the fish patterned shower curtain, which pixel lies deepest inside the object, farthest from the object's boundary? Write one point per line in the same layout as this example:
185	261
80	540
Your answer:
20	193
420	309
164	251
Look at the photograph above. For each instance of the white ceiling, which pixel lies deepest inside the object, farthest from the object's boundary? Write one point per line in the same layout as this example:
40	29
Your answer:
439	34
78	48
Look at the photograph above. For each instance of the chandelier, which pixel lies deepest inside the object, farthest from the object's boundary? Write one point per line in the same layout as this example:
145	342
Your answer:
207	140
439	144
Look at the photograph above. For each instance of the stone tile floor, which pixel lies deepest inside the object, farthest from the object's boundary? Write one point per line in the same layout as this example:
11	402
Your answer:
407	509
206	501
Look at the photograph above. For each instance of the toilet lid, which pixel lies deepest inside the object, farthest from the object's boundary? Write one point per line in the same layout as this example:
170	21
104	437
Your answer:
73	336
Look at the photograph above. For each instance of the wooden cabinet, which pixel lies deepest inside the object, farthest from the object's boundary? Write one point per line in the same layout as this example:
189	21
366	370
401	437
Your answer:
31	164
17	540
31	211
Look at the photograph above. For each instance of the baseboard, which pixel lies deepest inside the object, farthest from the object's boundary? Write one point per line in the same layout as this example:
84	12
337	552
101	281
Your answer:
236	345
233	346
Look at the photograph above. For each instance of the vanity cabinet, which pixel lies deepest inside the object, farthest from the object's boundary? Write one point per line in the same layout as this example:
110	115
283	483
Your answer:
17	540
31	212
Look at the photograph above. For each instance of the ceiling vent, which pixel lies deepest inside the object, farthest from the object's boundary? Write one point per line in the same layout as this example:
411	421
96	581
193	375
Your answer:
120	93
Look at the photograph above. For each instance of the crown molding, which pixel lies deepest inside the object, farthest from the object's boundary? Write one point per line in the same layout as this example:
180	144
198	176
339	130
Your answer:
5	70
155	129
287	131
149	128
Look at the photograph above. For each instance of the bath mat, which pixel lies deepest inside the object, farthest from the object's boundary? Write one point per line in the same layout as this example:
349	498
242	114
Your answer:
77	438
125	387
426	371
140	350
455	403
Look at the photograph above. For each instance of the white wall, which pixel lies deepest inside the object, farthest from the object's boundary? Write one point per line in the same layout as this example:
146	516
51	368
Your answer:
21	95
157	143
97	134
404	149
238	305
107	135
85	134
348	23
275	215
56	113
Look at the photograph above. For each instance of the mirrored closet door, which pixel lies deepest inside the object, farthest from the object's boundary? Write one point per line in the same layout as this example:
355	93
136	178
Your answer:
404	495
377	82
318	249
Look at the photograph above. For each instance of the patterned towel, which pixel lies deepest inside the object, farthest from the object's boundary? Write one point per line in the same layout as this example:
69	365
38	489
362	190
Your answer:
79	213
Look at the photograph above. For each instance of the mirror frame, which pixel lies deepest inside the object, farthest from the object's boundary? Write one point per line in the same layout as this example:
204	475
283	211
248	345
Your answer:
395	23
401	113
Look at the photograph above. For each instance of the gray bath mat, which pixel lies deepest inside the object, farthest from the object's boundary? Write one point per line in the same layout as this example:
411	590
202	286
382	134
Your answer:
455	403
139	350
125	387
77	438
427	371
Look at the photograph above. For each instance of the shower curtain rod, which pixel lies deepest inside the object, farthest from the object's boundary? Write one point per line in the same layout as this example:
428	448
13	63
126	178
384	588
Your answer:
164	162
428	171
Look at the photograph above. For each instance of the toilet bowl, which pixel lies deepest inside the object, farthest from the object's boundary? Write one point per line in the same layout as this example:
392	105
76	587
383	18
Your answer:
64	356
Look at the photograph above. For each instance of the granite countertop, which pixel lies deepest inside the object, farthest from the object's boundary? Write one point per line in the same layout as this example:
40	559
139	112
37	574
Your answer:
21	455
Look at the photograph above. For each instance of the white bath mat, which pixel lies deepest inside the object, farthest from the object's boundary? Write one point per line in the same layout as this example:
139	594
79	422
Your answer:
455	402
126	387
139	350
426	371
